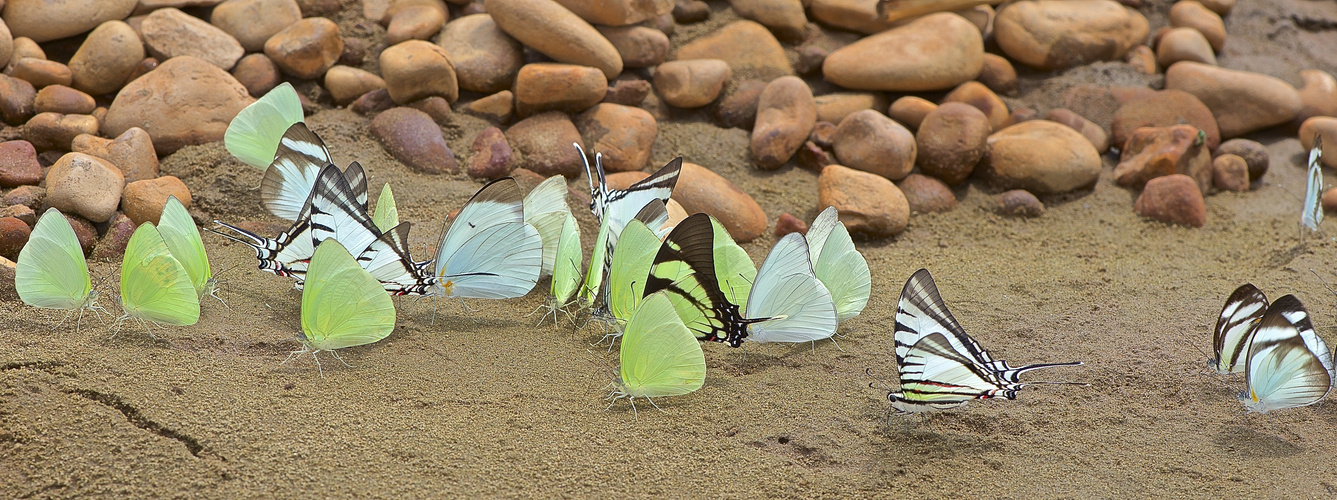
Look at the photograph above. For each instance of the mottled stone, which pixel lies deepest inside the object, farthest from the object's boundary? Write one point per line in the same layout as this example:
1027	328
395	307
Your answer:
701	190
786	114
738	107
131	152
625	135
1255	155
16	100
486	58
569	88
1241	101
491	156
415	140
926	194
746	46
144	200
951	141
1230	173
1163	109
307	48
1058	34
1019	203
55	131
43	21
170	33
639	46
1173	199
869	141
106	59
1088	128
1155	152
184	101
544	143
85	185
18	164
252	22
869	204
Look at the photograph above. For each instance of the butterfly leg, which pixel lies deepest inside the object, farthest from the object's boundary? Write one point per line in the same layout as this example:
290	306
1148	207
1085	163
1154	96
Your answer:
335	354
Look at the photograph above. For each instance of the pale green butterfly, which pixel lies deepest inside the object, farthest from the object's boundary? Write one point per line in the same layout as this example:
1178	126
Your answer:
632	258
545	209
183	240
154	285
652	214
566	269
387	215
342	304
840	266
253	136
660	357
52	272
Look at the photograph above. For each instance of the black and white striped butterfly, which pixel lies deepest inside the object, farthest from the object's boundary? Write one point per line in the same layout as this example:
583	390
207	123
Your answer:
1313	209
623	204
1234	329
300	158
1288	365
940	366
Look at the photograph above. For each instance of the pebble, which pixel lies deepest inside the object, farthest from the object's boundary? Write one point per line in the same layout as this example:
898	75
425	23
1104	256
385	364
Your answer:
1330	200
131	152
257	73
415	20
307	48
1183	44
619	12
1042	157
810	59
823	134
869	204
84	231
491	156
1143	60
1220	7
812	157
20	212
738	107
554	31
746	46
111	246
355	52
854	15
934	52
786	114
544	143
26	47
55	131
18	164
836	106
1325	126
1230	173
372	102
415	140
1255	155
106	59
628	92
1159	151
85	185
1019	203
143	66
624	134
416	69
541	87
998	75
496	108
144	200
787	223
1088	128
252	22
184	101
1318	95
702	190
40	72
910	111
690	11
926	194
951	141
64	100
1058	34
486	59
435	107
979	96
43	21
13	235
1163	109
346	83
869	141
6	43
639	46
1173	199
1190	14
28	195
691	83
785	18
1241	101
169	33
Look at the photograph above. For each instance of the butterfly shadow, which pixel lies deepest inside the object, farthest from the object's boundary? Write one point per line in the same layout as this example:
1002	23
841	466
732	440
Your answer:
1249	442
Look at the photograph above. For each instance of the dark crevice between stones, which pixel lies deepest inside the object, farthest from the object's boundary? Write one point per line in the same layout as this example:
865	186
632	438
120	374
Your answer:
137	419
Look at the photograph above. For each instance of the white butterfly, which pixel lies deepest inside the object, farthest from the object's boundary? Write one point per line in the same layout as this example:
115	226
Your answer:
1313	209
1288	364
799	307
489	251
545	209
300	157
838	264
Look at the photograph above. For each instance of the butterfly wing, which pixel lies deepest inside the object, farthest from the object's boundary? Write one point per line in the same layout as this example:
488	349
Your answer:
342	304
839	265
291	176
489	251
387	215
632	258
566	267
1281	370
183	240
659	355
154	285
253	136
1313	210
51	271
546	209
935	376
702	306
921	312
1234	329
786	291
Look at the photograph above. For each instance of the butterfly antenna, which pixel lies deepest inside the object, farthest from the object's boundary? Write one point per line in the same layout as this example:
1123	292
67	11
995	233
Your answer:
869	372
1325	282
335	354
652	403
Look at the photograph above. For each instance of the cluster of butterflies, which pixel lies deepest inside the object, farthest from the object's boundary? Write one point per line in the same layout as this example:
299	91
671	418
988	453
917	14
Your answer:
1285	364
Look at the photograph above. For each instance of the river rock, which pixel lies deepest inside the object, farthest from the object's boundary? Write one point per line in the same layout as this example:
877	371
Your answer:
624	135
1325	126
979	96
738	107
935	52
252	22
18	164
639	46
1019	203
541	87
1057	34
169	33
701	190
40	72
1255	155
416	69
257	73
926	194
1190	14
554	31
1163	109
55	131
1241	101
28	195
910	111
869	141
111	246
951	141
861	16
496	108
1183	44
544	143
347	83
486	58
785	18
105	60
618	12
415	20
1042	157
1088	128
13	235
307	48
184	101
746	46
631	92
85	185
491	156
998	75
6	43
786	114
414	139
1155	152
787	223
25	47
1230	173
691	83
1173	199
1143	60
836	106
869	204
43	21
16	100
1318	95
63	100
144	200
131	152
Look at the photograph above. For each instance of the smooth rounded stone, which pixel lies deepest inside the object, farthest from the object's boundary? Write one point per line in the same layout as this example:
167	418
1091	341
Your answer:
1329	200
618	12
541	87
143	66
1191	14
639	46
926	194
1318	95
1241	101
20	212
786	114
13	235
435	107
1088	128
701	190
979	96
6	43
355	52
554	31
18	164
1042	157
690	11
40	72
1220	7
1155	152
496	108
257	73
835	107
1098	103
785	18
1255	155
812	157
951	141
624	134
855	15
1143	60
1022	115
28	195
1163	109
869	204
544	143
1183	44
490	156
787	223
307	48
85	185
131	152
169	33
1230	173
910	111
628	92
738	107
416	69
748	48
372	102
84	231
105	60
55	131
1058	34
691	83
1019	203
111	246
252	22
185	101
144	200
346	84
419	20
486	59
1324	126
26	47
43	20
934	52
823	134
810	58
998	75
415	140
64	100
869	141
1172	199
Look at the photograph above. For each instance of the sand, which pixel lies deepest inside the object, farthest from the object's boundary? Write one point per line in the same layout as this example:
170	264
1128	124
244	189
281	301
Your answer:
476	400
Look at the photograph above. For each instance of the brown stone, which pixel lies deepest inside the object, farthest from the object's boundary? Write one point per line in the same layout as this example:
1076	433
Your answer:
1318	95
18	165
496	108
346	84
1088	128
144	200
951	141
416	69
1230	173
998	75
106	59
869	141
55	131
869	204
491	156
639	46
413	138
307	48
926	194
541	87
786	114
184	101
701	190
1155	152
40	72
1042	157
623	134
486	58
63	100
1194	15
1019	203
1173	199
910	111
252	22
979	96
1241	101
1255	155
544	143
16	100
787	223
84	185
628	92
131	152
555	31
170	33
746	46
691	83
1163	109
738	108
372	102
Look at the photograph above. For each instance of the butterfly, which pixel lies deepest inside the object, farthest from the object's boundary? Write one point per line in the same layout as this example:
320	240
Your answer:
940	366
1313	209
840	267
623	204
1288	364
253	135
387	215
566	268
659	356
342	304
51	271
798	305
298	163
545	209
632	258
183	240
685	267
1235	328
489	251
653	214
154	285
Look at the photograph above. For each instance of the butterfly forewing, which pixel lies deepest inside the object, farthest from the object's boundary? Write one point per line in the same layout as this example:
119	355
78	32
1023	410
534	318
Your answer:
659	356
1235	327
154	285
787	291
51	271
